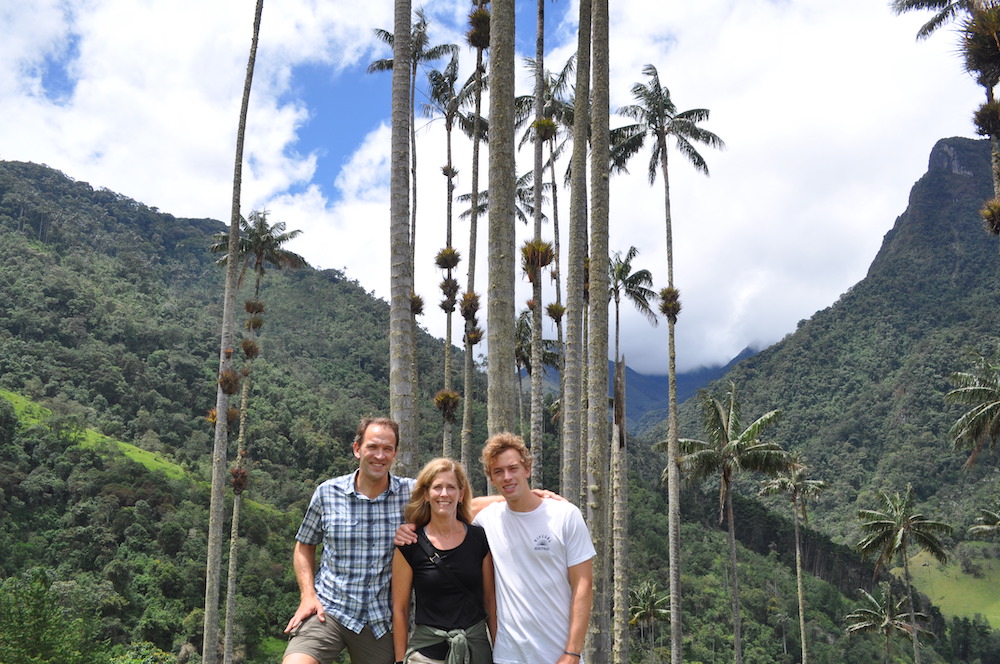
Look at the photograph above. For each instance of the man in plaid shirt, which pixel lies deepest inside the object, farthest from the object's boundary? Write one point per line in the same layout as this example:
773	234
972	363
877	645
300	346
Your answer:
346	604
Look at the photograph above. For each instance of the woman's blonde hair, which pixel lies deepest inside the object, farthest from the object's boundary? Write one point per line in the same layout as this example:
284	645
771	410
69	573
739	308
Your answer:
418	510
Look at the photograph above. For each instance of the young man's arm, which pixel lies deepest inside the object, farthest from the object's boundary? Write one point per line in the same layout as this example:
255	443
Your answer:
407	532
304	564
581	580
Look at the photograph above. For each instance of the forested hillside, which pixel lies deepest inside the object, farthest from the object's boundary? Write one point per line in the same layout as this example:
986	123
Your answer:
861	384
108	350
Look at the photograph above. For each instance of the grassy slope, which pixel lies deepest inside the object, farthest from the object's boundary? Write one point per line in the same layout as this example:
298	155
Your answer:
955	592
28	412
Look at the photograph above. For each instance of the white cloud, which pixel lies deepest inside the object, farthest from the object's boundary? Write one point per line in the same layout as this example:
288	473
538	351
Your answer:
829	111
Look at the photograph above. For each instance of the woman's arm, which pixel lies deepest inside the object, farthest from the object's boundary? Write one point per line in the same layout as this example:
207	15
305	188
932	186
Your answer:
490	596
402	584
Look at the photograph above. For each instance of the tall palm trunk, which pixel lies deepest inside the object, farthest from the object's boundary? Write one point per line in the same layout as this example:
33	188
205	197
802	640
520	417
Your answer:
239	484
619	488
734	594
216	514
500	290
537	478
446	445
598	454
470	325
913	606
572	485
402	397
798	580
557	273
673	442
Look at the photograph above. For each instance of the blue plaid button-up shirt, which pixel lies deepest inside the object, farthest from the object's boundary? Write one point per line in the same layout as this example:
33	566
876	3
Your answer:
356	533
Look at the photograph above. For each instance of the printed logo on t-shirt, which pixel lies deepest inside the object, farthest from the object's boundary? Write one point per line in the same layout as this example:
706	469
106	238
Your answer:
543	542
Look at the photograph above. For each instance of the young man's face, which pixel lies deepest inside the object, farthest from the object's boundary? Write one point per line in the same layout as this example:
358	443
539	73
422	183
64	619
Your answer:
509	475
376	452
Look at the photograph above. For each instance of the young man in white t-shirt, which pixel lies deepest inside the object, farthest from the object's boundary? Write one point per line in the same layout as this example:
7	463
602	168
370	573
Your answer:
543	557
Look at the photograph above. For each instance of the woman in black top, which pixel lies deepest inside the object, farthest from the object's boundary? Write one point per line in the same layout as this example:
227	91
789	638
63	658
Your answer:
449	569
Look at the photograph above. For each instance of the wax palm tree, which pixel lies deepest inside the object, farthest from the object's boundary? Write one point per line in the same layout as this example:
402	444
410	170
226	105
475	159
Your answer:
553	117
260	245
988	521
421	52
795	483
633	286
947	10
402	326
537	423
648	606
657	117
598	452
216	512
478	37
981	50
573	395
883	616
892	530
978	388
524	359
730	449
449	103
980	31
500	291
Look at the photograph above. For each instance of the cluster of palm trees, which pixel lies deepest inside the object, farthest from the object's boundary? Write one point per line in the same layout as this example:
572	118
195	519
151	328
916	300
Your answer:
558	115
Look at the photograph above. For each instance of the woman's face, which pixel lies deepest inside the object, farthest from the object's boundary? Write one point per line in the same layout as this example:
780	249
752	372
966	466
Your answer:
443	494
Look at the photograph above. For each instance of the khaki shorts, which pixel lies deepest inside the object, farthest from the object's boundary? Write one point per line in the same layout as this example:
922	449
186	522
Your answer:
324	641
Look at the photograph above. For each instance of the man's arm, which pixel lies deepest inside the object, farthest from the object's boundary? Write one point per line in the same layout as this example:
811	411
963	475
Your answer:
581	580
304	564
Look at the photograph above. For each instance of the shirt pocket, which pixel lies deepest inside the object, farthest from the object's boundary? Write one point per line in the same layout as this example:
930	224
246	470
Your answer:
342	531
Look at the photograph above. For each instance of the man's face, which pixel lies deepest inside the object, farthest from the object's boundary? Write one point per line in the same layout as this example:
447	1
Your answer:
509	476
376	452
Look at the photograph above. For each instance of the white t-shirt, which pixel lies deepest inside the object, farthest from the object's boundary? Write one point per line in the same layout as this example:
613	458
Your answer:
532	552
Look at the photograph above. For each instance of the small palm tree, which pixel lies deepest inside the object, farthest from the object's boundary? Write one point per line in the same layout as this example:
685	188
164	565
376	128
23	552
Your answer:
988	521
891	531
880	614
648	606
260	245
731	449
632	286
794	482
978	388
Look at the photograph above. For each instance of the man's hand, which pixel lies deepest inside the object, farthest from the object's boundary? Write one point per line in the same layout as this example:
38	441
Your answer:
307	607
405	534
545	493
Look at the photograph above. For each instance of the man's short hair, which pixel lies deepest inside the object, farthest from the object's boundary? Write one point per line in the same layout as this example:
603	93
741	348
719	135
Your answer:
500	443
377	421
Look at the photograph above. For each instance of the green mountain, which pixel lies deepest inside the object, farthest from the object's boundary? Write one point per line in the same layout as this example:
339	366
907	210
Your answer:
861	384
109	312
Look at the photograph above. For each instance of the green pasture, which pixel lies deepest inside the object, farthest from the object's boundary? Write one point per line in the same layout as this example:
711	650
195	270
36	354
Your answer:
955	592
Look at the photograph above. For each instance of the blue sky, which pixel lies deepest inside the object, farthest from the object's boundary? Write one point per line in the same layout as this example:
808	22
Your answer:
829	111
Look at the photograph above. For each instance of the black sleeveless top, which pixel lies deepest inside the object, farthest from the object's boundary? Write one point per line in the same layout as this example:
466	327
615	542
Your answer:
441	603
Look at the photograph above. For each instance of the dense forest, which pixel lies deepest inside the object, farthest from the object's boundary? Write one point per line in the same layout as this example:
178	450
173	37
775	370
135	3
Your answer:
108	334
